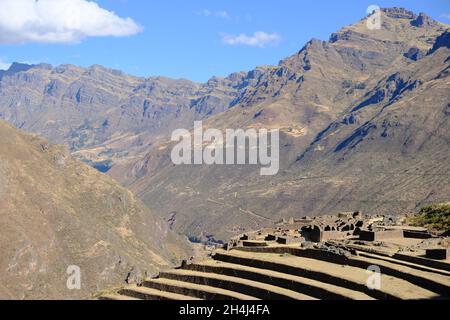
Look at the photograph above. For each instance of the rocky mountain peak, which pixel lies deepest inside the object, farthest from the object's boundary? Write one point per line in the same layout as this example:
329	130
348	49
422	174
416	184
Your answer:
443	41
100	70
399	13
423	20
14	68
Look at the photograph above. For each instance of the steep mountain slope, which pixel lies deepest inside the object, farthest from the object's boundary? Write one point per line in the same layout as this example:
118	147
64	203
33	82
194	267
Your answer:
341	84
56	212
392	149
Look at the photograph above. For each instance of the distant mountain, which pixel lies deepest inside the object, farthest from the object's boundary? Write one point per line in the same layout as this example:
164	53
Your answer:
14	68
363	120
104	114
56	212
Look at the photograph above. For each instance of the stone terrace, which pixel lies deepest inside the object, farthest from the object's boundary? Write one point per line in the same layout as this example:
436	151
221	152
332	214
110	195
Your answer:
308	259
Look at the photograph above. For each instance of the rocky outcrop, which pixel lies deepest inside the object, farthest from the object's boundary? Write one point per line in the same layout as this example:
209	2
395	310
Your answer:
443	41
423	21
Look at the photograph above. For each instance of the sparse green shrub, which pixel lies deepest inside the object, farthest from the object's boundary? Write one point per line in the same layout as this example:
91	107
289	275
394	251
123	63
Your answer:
433	217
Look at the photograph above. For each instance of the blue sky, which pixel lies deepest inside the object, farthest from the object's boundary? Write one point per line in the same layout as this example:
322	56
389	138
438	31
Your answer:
197	39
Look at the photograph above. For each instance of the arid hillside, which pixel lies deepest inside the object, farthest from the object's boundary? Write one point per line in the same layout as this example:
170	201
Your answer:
56	212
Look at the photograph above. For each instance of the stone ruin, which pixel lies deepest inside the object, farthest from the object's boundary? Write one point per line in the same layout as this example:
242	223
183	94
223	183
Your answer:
341	227
331	250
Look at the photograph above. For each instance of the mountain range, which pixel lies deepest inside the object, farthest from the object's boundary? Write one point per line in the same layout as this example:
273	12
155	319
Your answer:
363	119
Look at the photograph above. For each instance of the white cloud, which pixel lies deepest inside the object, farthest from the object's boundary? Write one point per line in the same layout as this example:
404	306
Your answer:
218	14
445	15
59	21
258	39
4	65
222	14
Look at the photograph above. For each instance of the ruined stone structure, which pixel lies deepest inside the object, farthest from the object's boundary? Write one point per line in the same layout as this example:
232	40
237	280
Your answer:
307	259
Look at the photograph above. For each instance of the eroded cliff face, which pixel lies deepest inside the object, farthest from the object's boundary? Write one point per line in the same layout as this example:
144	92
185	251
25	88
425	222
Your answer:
56	212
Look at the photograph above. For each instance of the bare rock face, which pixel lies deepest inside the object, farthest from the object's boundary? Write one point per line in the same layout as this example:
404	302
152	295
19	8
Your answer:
423	21
56	212
399	13
443	41
414	54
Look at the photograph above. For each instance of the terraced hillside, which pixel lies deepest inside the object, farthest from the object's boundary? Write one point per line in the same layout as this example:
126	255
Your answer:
288	272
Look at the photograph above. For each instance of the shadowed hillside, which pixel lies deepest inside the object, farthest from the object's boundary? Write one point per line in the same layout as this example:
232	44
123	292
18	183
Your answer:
56	212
